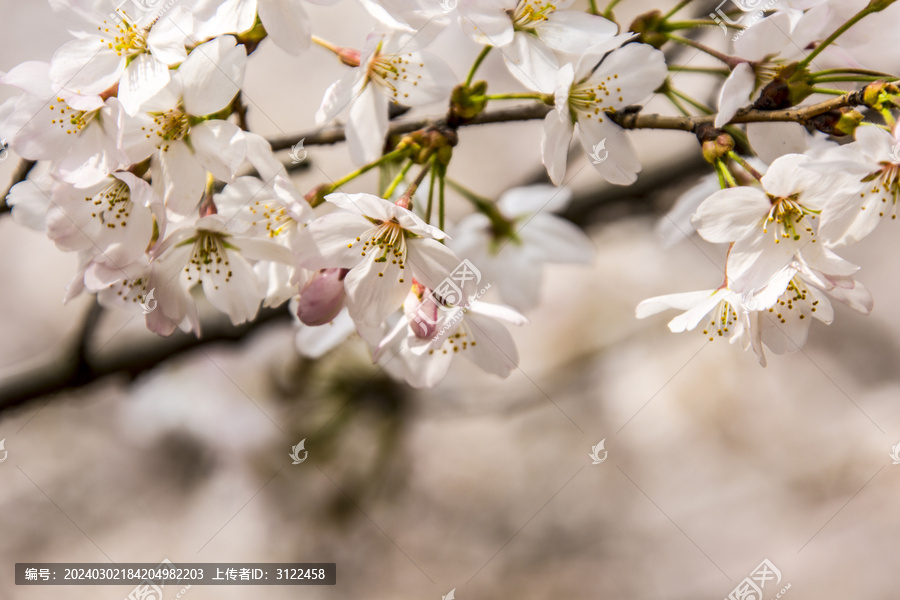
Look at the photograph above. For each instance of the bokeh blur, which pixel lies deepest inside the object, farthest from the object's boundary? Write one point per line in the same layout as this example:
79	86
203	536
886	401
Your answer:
482	486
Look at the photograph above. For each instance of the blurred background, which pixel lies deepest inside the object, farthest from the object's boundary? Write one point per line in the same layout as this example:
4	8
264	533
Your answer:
479	485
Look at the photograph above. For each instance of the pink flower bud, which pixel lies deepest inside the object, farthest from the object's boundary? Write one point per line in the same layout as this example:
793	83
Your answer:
322	298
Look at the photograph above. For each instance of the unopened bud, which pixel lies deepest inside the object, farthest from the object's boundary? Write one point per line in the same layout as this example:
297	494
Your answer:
837	122
322	298
648	26
316	196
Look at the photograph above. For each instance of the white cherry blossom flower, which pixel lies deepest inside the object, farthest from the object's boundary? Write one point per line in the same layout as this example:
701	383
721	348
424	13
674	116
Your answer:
113	47
421	347
521	234
586	94
209	254
383	245
391	69
530	34
172	130
769	226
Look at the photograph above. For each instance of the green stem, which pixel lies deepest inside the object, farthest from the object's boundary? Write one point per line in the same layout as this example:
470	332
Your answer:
816	90
703	70
695	103
365	168
865	12
731	61
607	12
484	52
430	193
674	100
850	78
520	96
745	165
441	187
725	172
400	176
691	23
592	8
677	7
850	72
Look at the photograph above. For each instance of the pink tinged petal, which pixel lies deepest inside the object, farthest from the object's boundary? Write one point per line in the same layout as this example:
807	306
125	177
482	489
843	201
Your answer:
315	342
732	214
532	62
424	371
621	165
322	298
212	74
86	66
370	297
494	350
527	200
574	31
486	21
167	35
339	95
220	147
735	93
783	338
143	79
330	241
557	240
367	125
287	24
555	139
852	293
234	289
184	178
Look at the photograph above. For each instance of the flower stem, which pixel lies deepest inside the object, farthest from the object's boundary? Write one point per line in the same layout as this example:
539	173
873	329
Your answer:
607	12
400	176
695	103
442	177
484	52
705	70
520	96
850	78
592	7
832	92
745	165
731	61
399	152
691	23
325	44
869	9
428	207
725	173
676	8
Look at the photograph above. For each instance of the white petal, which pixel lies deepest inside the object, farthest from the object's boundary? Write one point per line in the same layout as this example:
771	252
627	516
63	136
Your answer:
184	178
532	62
621	164
142	80
555	139
287	24
731	214
220	147
367	125
735	93
212	74
573	31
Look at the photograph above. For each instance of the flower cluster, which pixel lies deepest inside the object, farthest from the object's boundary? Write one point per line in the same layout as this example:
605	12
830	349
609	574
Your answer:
144	166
